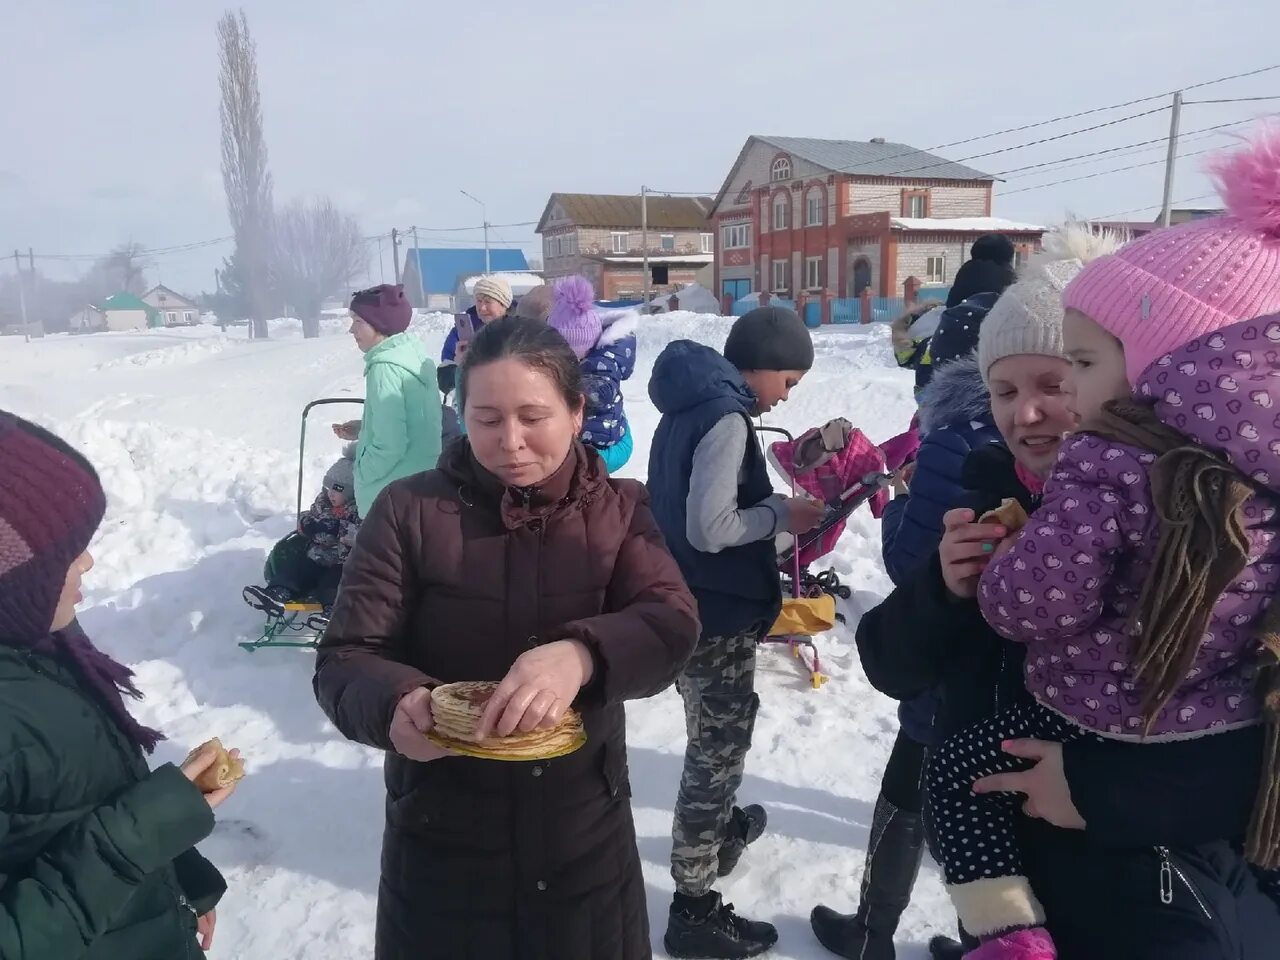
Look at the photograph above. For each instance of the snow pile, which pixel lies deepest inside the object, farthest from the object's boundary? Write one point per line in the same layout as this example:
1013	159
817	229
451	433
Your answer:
189	351
199	459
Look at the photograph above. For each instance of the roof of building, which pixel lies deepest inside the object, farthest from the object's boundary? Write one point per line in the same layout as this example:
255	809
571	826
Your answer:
963	225
868	158
612	210
697	259
168	293
441	269
126	301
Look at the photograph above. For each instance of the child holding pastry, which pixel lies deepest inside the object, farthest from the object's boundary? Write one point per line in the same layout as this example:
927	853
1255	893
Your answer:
97	851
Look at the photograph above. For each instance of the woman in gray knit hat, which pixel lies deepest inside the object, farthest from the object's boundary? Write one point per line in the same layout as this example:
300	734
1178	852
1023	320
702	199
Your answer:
991	422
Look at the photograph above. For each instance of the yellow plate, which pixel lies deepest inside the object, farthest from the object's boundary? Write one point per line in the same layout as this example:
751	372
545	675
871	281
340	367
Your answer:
471	750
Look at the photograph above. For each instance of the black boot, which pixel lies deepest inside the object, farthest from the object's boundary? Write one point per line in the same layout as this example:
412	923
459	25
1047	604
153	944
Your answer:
894	851
744	829
944	948
704	927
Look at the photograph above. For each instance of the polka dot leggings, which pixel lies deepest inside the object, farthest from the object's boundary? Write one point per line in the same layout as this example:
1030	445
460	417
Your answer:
975	833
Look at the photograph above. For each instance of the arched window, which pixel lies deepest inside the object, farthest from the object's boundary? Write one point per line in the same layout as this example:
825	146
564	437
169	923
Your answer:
815	207
781	212
781	169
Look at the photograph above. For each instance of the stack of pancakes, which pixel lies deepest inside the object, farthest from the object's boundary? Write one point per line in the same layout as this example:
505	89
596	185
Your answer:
456	709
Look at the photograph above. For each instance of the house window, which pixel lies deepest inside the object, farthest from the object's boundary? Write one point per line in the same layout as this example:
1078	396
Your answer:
669	242
172	316
781	169
915	203
813	212
621	242
936	269
780	274
781	211
813	273
737	236
1019	257
705	241
187	316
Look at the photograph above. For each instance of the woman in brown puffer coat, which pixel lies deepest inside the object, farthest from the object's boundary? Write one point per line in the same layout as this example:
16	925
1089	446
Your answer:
520	561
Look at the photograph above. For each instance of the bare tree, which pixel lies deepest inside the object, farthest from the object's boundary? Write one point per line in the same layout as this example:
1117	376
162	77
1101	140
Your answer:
245	176
318	251
124	268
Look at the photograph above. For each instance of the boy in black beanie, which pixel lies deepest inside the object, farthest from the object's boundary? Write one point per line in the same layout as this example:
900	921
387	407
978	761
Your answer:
714	502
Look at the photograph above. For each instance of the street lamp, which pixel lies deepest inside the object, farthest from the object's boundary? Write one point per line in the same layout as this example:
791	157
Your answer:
484	216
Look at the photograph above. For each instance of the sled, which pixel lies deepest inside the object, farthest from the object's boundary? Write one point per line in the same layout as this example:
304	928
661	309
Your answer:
804	586
302	623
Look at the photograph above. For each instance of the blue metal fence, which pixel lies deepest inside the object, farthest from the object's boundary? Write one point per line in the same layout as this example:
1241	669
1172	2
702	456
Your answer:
753	301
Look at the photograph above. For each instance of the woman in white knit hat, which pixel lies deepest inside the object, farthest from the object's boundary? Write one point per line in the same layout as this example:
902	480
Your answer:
1012	380
493	301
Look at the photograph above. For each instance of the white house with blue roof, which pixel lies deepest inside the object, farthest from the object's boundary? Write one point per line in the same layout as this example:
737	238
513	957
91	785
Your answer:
432	276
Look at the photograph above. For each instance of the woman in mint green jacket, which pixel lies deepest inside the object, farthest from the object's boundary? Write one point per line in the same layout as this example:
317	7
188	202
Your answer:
399	434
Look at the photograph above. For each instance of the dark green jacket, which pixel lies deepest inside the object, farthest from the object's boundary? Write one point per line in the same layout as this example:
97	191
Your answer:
97	856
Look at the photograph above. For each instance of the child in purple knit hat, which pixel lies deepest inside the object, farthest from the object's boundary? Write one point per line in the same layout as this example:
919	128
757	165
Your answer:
605	342
1141	585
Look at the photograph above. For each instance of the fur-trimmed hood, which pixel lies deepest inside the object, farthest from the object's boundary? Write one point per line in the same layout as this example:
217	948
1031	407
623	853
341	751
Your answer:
617	325
955	395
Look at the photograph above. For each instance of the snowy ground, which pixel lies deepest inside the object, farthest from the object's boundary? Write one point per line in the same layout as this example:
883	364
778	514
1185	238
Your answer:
195	433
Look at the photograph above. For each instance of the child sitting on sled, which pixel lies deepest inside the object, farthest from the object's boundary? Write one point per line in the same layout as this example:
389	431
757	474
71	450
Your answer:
307	564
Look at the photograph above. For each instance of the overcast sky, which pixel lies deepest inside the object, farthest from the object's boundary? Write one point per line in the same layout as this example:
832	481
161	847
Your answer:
109	118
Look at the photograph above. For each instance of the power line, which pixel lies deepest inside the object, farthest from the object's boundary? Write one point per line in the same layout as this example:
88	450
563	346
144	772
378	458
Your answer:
1069	116
1194	103
1103	173
1153	206
1067	163
1127	146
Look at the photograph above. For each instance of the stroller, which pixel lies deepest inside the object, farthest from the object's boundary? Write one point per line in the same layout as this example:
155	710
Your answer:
838	465
301	622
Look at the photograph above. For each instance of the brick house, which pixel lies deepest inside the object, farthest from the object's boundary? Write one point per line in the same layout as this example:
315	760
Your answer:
600	237
831	218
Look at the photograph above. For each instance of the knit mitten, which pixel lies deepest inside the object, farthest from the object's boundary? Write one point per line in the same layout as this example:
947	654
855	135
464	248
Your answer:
1033	944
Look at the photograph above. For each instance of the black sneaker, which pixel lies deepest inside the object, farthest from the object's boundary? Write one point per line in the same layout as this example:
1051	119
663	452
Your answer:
717	934
745	827
270	600
944	948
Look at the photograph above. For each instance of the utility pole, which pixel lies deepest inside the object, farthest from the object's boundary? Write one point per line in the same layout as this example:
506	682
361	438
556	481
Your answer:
35	291
1174	120
382	264
395	252
644	242
22	299
417	262
484	215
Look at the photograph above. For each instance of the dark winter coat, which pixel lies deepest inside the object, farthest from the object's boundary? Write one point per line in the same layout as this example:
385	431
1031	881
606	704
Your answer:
1101	889
329	532
452	578
611	361
97	857
955	420
693	387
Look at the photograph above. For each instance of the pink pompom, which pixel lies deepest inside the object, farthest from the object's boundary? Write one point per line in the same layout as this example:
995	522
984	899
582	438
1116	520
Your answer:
1249	182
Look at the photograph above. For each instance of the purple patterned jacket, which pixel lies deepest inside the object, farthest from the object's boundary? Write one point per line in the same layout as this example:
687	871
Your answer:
1067	586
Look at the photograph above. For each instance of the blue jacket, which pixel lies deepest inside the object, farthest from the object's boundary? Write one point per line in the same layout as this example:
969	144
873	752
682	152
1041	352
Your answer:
955	420
611	361
693	387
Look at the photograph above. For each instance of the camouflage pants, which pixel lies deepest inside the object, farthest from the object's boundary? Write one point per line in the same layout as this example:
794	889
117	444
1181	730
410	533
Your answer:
720	711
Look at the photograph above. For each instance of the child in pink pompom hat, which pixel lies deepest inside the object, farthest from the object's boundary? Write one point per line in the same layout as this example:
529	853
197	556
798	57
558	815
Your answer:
1141	585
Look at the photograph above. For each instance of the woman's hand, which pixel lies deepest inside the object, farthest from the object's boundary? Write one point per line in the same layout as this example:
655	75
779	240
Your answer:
1044	785
538	689
803	514
409	726
204	929
347	431
201	762
966	549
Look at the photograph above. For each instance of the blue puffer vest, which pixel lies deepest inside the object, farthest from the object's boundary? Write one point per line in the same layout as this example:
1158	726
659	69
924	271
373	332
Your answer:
693	387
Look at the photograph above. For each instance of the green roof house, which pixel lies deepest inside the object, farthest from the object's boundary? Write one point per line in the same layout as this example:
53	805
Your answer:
124	311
